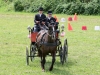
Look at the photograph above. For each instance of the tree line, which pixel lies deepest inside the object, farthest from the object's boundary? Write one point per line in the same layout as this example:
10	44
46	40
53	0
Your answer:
85	7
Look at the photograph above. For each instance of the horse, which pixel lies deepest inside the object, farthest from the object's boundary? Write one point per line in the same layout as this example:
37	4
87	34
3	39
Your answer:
46	44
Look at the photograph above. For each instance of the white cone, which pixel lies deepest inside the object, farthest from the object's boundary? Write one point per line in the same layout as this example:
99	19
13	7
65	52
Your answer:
63	20
97	28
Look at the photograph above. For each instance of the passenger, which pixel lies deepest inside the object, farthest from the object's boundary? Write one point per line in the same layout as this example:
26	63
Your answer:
50	19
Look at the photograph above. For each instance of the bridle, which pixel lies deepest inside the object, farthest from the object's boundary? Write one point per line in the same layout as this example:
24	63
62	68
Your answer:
52	31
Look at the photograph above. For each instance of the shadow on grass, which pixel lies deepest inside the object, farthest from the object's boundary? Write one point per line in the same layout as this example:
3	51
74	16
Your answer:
58	69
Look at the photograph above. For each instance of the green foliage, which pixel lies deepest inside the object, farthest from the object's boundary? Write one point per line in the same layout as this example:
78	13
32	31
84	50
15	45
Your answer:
87	7
75	8
34	5
2	3
18	6
59	9
70	8
10	7
92	8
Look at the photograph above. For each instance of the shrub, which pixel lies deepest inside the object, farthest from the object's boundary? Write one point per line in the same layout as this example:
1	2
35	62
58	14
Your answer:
10	7
34	5
92	8
76	8
18	6
57	6
70	8
58	9
66	8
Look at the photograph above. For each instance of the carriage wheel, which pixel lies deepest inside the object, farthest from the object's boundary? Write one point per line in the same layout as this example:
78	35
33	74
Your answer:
60	53
32	51
27	56
65	52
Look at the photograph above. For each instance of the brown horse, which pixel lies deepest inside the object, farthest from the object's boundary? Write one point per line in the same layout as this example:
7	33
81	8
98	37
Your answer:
46	43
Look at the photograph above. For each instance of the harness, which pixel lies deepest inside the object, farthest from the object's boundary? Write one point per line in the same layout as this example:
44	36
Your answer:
42	42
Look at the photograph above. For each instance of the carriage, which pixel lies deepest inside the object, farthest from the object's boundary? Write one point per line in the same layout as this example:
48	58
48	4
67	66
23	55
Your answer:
62	48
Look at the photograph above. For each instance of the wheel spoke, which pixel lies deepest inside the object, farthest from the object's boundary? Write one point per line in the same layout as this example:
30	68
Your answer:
32	52
65	52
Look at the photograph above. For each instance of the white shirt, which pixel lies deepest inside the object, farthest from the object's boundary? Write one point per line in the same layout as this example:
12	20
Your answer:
40	15
49	18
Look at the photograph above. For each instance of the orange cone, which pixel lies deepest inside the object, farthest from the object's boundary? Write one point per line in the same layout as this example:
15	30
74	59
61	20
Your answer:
56	18
69	27
75	17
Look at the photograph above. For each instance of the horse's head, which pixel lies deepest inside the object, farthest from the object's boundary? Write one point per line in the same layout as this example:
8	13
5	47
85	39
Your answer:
51	30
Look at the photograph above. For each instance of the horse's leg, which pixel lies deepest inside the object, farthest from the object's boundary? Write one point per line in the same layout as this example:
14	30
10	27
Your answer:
43	63
53	61
39	53
41	59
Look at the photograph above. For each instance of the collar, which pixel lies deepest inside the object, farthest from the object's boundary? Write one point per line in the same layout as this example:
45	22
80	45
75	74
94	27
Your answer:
49	18
40	15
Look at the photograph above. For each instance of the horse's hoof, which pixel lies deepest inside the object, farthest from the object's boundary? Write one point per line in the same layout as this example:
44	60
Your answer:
50	69
43	70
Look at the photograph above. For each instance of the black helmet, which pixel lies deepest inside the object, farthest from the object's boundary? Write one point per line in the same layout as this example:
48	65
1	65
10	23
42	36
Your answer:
49	12
40	9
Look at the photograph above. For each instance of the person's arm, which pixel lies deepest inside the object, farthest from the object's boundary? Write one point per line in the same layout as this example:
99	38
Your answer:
54	19
46	22
35	19
56	24
44	19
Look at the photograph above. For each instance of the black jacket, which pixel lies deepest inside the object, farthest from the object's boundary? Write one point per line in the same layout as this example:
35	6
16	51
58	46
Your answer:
50	20
38	18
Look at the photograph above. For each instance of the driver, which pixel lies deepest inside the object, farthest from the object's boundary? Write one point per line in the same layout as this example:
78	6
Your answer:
39	20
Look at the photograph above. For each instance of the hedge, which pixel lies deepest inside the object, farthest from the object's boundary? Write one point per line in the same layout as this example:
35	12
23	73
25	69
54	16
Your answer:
90	7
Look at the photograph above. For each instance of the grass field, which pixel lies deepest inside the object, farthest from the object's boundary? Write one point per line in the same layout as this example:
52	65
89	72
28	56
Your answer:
83	55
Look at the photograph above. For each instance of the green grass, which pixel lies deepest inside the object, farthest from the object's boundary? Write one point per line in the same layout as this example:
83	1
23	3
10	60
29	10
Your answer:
83	55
